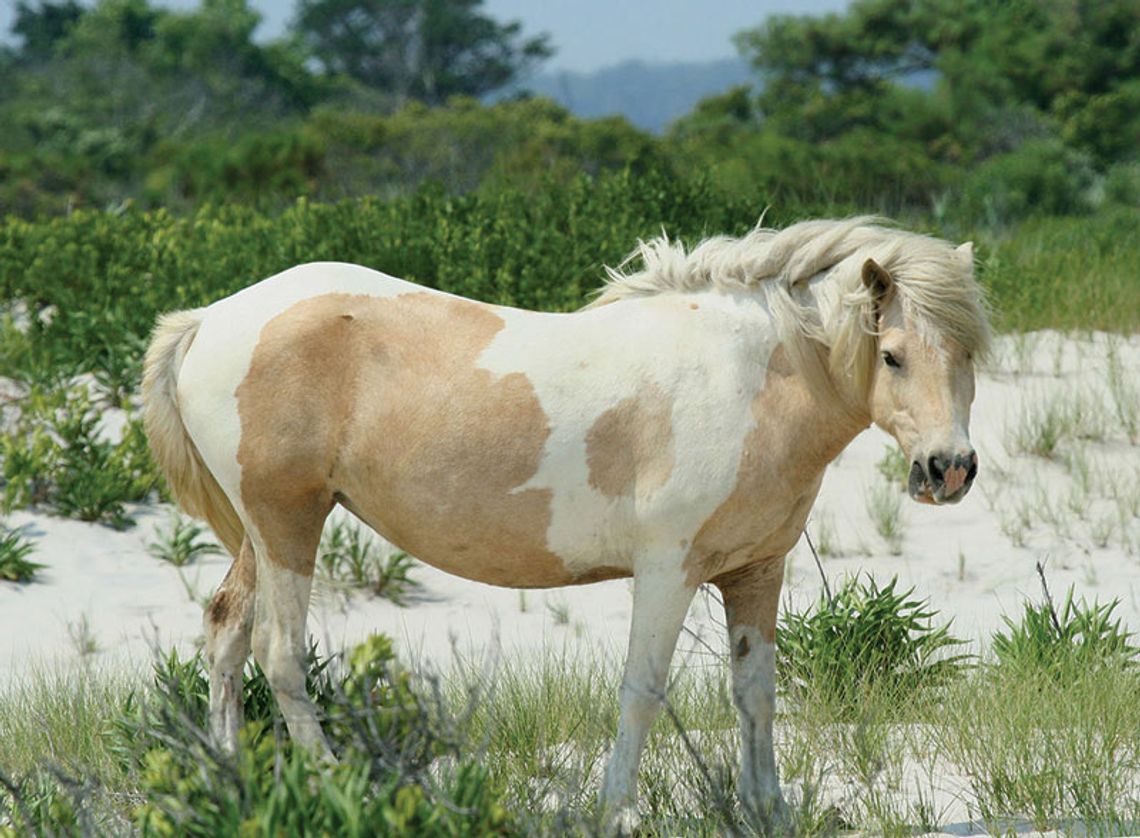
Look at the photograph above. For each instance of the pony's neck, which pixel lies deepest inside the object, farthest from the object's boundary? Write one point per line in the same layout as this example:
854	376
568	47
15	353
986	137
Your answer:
799	429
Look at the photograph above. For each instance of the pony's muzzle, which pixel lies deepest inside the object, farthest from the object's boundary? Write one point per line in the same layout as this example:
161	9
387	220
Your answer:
943	478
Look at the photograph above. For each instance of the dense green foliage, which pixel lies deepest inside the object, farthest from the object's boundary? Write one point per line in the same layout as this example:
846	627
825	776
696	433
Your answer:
401	768
104	277
976	112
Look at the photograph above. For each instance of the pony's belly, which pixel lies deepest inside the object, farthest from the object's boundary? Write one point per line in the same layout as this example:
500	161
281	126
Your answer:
488	551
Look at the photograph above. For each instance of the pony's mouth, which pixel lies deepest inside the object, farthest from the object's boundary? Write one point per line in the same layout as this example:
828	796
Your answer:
918	485
923	494
922	489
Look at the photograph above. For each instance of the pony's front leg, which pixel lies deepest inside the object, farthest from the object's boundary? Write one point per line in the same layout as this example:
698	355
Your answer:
751	596
660	602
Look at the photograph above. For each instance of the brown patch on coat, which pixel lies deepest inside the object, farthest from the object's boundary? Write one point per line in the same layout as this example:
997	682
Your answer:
380	402
601	574
781	465
630	447
234	597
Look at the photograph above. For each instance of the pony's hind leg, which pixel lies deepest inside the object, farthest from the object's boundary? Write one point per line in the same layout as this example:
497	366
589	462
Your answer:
228	621
285	546
660	602
751	596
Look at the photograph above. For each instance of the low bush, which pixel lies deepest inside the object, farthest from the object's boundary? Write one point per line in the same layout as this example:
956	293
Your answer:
1078	637
1039	178
865	639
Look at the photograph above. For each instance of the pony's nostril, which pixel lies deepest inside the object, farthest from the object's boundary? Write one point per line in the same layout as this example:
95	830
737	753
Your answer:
972	472
936	470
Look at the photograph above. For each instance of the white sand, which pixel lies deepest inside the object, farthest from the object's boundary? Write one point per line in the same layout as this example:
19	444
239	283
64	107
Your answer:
974	562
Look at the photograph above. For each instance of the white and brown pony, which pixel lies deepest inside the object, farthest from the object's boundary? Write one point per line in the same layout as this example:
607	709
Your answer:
675	431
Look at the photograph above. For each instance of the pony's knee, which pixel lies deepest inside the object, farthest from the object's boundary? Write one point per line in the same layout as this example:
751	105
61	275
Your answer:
640	704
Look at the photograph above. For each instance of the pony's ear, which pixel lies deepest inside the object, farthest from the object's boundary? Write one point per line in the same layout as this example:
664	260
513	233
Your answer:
880	283
966	251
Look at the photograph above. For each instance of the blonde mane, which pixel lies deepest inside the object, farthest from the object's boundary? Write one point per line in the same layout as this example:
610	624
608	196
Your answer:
831	337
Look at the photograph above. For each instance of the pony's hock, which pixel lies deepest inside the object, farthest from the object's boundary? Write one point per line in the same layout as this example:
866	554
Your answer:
676	431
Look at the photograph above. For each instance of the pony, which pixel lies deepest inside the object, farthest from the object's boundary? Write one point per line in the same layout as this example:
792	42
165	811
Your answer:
675	430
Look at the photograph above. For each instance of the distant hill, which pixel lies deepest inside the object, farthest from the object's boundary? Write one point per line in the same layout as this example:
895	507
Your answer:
648	95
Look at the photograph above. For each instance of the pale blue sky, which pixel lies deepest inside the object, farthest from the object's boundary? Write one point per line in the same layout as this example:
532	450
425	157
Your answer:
590	34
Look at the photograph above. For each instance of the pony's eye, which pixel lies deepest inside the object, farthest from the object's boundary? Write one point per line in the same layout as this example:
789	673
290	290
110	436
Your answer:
890	360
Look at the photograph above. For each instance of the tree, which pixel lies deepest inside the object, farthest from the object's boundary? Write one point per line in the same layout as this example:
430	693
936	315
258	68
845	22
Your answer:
1007	71
42	26
418	49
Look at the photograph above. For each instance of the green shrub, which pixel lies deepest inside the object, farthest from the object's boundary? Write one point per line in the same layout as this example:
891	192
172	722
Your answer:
1079	636
386	732
54	454
866	639
45	802
1041	177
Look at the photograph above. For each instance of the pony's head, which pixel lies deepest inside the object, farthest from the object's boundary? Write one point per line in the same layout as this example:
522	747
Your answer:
921	383
888	323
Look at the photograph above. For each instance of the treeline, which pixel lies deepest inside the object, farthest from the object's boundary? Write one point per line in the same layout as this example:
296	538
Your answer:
965	111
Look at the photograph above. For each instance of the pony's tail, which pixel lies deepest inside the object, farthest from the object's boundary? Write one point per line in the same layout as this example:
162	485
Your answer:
193	486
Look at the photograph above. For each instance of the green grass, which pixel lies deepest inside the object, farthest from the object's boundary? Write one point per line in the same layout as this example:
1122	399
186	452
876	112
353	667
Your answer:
1029	745
1074	273
62	715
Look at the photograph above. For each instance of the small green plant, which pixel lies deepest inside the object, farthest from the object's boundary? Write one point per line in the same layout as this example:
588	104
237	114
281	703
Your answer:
351	555
885	508
865	638
559	611
181	543
15	548
118	368
1125	396
83	639
894	466
826	542
1040	429
392	578
1046	424
1078	636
